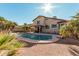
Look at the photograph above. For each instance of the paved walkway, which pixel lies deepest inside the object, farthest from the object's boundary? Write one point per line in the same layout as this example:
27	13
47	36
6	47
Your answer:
54	49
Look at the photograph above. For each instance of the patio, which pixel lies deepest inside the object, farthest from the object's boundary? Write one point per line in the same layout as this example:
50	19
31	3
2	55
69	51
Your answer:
60	48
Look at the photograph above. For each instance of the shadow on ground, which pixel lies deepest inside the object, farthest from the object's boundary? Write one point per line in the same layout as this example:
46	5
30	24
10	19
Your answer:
60	41
30	44
74	45
68	41
74	50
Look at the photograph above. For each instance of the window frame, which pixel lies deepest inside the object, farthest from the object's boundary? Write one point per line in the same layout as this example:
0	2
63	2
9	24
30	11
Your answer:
53	25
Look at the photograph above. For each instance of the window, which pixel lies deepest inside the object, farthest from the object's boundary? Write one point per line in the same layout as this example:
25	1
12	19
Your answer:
54	26
47	27
38	22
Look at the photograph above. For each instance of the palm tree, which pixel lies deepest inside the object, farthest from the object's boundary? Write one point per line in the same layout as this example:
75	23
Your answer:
76	16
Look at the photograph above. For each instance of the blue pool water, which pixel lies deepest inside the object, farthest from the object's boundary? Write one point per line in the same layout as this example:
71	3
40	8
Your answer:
36	37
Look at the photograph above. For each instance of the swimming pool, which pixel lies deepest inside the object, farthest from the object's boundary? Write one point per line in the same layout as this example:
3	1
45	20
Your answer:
37	37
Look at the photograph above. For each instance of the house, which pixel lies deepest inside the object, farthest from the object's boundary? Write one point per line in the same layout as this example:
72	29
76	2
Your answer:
48	24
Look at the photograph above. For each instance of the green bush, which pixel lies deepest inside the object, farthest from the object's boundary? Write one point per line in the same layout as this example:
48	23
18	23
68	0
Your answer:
71	29
9	42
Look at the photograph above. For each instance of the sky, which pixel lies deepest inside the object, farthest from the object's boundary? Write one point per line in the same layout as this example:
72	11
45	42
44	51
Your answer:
26	12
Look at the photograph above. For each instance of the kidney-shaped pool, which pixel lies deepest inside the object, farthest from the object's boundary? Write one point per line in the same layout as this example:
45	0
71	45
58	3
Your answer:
38	37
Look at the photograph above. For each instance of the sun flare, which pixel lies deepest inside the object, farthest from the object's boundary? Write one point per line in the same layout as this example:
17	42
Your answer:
47	8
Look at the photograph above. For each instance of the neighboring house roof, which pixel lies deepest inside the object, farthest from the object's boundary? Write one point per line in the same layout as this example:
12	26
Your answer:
54	18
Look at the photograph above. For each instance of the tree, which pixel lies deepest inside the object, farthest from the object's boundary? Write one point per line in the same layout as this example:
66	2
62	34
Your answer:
6	25
25	26
71	29
2	22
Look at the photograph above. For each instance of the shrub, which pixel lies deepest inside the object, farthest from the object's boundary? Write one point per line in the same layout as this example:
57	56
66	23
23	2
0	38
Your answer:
9	42
71	29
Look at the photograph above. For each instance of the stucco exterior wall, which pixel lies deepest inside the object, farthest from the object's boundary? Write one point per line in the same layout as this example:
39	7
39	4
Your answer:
40	19
50	22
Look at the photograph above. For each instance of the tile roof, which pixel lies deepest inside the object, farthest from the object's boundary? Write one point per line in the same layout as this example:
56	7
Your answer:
54	18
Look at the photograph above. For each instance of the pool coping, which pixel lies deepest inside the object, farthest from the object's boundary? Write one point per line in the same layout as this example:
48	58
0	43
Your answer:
38	41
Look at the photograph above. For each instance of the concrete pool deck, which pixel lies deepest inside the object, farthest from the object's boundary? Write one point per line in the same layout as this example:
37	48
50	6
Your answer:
60	48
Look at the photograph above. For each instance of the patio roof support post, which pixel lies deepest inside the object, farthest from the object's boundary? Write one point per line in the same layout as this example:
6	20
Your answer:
39	29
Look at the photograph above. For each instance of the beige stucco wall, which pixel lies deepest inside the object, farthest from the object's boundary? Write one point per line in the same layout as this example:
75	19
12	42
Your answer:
49	22
41	19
